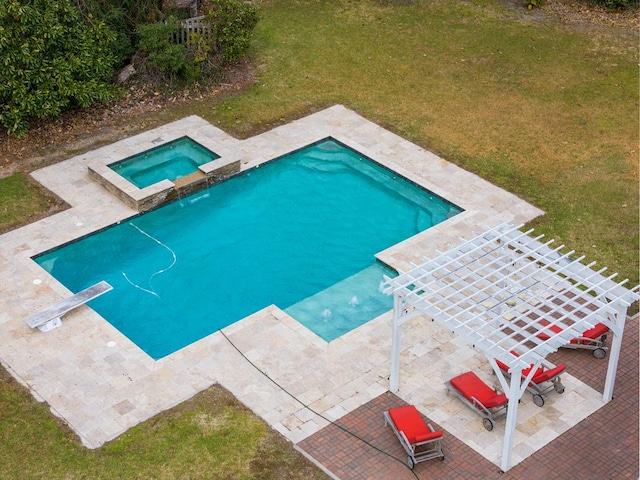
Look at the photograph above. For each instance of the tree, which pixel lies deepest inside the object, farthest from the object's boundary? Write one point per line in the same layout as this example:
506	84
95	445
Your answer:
51	59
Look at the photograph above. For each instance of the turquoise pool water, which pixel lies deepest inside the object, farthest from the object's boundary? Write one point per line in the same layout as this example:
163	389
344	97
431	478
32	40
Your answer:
299	232
169	161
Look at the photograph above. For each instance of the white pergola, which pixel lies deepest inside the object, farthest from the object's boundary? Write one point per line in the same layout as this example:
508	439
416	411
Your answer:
494	289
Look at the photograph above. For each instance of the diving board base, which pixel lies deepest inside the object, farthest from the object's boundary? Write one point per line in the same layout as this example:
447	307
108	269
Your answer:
50	325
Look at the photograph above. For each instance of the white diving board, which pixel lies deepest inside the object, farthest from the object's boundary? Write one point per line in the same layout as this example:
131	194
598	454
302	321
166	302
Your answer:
50	317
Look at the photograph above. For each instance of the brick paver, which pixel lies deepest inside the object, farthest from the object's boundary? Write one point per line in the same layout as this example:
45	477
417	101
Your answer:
603	446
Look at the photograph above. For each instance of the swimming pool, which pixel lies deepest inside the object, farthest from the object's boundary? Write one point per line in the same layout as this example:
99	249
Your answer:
299	232
169	161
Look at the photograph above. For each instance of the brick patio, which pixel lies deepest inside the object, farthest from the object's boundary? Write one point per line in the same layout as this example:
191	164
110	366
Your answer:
603	446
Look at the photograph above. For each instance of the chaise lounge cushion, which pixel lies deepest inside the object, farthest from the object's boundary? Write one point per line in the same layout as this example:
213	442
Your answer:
541	374
593	333
408	420
596	332
548	374
470	385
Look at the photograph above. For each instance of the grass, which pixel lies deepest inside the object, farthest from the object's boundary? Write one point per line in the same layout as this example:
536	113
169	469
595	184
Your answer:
209	436
23	200
546	111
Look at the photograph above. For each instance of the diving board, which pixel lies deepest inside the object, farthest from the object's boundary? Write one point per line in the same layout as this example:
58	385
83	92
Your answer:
50	317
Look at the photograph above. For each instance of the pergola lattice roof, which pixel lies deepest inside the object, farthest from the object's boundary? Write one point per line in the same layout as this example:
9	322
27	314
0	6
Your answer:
495	289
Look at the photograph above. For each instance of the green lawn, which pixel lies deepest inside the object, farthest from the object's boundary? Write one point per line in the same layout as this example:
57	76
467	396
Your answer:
22	200
211	436
546	111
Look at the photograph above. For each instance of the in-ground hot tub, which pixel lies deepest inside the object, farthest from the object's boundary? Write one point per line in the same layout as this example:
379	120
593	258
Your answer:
169	161
164	172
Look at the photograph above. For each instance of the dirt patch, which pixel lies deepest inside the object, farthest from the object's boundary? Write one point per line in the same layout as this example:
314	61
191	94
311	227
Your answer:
583	15
77	131
579	14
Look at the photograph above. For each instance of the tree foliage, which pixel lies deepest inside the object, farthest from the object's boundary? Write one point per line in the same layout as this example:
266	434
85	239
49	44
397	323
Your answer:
60	54
200	58
123	17
163	55
51	59
232	23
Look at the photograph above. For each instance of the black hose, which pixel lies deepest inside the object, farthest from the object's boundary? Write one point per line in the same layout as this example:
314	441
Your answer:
313	411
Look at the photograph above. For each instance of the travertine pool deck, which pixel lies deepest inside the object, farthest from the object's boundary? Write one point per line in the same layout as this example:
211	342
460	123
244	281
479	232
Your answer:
101	384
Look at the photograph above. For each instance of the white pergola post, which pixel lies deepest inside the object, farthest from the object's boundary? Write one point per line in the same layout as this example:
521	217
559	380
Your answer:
614	352
514	394
395	344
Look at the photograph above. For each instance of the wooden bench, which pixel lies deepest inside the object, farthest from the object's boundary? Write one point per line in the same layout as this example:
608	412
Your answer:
50	317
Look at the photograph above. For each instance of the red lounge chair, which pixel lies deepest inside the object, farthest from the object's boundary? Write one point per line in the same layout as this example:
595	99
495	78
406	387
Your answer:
543	383
419	440
592	339
487	402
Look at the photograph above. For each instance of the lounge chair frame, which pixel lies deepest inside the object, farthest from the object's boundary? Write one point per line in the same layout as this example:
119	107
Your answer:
419	451
489	415
595	344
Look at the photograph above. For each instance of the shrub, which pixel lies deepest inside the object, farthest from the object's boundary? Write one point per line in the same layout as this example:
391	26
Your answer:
530	4
232	23
619	4
159	51
123	17
51	60
115	19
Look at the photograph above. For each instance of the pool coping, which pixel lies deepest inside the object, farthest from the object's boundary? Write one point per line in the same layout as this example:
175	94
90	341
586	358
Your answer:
152	196
101	384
